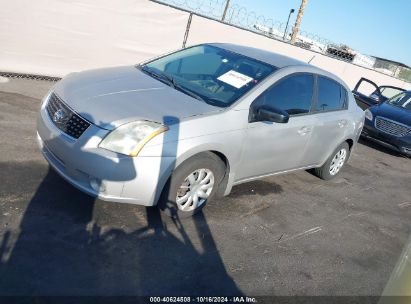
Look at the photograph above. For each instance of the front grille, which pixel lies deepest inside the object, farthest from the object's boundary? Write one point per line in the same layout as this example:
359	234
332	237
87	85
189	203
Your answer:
64	118
391	127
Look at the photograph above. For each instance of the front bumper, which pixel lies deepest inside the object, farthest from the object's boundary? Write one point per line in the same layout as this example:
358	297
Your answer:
399	144
98	172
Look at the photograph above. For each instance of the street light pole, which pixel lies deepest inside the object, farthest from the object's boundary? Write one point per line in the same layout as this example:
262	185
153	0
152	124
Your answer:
288	20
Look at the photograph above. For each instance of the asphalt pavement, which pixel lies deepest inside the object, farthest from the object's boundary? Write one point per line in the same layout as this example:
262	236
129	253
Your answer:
284	235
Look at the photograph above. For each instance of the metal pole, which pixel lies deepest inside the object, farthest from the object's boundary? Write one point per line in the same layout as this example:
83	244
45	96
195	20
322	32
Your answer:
288	20
227	4
298	20
187	29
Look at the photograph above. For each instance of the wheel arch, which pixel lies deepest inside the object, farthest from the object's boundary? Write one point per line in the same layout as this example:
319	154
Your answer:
220	153
347	140
350	143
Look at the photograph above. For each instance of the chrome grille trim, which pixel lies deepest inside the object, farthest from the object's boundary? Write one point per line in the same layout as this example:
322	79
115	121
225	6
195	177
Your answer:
70	123
391	127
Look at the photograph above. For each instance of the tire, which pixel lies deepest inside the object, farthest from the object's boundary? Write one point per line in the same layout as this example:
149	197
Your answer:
325	172
173	200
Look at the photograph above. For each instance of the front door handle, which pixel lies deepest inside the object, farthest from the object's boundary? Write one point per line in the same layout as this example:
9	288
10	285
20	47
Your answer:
303	131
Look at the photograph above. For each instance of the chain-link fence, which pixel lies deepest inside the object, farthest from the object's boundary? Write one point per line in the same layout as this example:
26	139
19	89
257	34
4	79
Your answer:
244	18
28	76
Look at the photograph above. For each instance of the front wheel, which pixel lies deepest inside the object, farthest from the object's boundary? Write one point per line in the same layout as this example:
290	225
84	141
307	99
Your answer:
334	164
192	185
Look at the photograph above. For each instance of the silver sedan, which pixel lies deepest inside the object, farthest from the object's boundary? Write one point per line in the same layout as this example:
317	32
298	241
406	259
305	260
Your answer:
179	129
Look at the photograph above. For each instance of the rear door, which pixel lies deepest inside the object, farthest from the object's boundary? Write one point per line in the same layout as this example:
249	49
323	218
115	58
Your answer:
331	120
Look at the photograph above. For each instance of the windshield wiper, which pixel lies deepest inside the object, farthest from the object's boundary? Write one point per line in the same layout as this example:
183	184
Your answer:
159	75
169	79
216	101
171	82
188	92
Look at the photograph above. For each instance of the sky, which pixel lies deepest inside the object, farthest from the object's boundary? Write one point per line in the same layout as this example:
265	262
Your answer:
379	28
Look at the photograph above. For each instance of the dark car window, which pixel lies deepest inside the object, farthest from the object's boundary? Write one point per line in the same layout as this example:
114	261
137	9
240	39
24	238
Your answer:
292	94
210	73
331	96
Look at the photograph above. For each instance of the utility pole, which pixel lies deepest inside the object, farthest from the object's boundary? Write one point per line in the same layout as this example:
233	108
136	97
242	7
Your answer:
298	20
227	4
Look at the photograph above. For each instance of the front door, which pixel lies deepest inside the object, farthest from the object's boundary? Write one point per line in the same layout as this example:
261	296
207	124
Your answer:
366	93
274	147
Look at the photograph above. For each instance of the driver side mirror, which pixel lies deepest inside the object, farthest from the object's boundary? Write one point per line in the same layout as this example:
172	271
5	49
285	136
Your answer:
268	113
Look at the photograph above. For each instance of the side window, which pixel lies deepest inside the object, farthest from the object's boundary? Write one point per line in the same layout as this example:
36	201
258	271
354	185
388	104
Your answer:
292	94
331	96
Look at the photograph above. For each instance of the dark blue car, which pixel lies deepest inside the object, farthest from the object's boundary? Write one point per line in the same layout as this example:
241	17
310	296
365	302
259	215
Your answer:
389	123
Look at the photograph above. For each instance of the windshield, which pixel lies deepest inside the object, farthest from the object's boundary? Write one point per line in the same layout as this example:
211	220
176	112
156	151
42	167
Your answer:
402	100
389	92
211	74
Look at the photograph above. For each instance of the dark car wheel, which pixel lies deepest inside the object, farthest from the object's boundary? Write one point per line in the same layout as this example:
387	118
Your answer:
192	185
334	164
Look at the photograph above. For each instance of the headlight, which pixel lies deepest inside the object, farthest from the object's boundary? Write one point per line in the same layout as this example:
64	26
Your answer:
368	114
131	137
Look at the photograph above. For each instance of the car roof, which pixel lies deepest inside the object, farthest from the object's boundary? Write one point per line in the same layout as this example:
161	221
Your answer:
272	58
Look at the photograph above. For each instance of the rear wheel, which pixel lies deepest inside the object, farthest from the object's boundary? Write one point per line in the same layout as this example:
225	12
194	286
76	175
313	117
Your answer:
334	164
192	185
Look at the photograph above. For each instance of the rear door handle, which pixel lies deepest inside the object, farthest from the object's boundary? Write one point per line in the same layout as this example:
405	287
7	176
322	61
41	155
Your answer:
303	131
342	123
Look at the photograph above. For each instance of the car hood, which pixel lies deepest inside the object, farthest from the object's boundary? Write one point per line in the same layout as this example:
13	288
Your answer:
392	112
113	96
